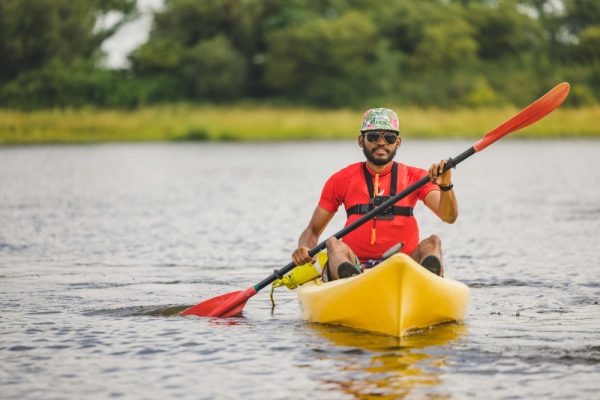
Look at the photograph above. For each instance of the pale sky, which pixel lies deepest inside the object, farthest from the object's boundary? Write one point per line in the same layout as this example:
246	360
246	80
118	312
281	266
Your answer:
131	35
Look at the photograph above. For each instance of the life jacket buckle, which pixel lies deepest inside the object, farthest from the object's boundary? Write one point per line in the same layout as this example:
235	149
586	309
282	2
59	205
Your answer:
388	213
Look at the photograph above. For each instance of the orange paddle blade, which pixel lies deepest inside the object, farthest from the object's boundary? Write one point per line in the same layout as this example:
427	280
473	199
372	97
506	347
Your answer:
534	112
226	305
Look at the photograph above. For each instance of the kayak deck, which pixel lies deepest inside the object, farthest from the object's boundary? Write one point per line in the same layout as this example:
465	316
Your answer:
393	298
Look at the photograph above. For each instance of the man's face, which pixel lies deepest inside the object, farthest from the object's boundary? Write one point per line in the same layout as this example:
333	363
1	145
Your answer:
380	151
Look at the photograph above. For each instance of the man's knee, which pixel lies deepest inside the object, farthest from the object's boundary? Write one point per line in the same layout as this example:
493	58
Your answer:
338	250
333	244
434	240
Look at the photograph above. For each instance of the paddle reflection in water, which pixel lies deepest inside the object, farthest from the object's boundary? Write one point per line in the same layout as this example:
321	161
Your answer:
171	311
381	366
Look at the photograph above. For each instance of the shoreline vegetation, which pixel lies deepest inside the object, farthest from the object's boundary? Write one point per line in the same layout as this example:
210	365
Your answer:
185	122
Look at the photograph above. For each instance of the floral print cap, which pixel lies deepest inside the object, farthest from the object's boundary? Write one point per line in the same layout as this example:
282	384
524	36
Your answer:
380	119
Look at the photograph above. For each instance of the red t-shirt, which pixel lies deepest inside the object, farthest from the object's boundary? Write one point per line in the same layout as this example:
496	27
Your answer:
349	187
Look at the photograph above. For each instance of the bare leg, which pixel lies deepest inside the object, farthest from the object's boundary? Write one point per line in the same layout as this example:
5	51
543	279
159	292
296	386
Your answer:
338	252
432	246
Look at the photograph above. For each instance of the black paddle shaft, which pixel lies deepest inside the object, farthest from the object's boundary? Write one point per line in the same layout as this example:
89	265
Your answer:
450	163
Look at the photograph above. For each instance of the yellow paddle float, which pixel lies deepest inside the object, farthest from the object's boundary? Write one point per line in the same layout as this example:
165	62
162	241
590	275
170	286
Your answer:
301	274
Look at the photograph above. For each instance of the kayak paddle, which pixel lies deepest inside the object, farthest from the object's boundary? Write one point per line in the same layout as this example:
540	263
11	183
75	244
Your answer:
232	304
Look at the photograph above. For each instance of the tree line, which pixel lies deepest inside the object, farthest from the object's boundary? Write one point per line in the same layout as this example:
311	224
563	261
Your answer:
331	53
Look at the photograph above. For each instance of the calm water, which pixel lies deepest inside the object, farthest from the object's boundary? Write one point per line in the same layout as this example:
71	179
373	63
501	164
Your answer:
100	244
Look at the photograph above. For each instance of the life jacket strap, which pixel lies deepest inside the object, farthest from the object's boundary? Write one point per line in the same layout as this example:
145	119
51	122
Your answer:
369	179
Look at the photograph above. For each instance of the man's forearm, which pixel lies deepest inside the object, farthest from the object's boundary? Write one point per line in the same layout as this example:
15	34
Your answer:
448	207
308	239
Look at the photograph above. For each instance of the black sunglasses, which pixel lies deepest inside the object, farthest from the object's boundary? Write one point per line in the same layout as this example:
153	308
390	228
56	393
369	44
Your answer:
374	136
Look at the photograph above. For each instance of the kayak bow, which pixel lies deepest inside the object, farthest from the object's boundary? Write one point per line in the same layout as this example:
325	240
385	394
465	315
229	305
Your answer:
397	296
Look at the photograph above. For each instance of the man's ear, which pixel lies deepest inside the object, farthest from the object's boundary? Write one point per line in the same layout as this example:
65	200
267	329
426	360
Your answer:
399	142
361	141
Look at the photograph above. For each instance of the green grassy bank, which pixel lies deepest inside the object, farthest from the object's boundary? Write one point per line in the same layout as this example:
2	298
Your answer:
263	123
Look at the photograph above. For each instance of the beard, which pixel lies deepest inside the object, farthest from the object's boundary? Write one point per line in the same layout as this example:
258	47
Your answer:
378	161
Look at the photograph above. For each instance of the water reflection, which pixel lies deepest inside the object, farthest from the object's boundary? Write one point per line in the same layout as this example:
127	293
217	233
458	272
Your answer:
137	311
385	367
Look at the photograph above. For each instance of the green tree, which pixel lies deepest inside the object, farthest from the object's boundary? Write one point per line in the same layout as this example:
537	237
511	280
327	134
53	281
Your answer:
504	31
588	48
34	32
77	84
245	27
331	62
214	69
581	14
328	52
403	22
430	34
446	45
50	50
198	50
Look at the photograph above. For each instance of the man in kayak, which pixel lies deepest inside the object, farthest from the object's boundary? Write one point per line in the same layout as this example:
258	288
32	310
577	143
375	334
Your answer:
362	186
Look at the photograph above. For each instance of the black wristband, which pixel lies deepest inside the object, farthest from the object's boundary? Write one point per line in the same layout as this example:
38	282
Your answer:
446	188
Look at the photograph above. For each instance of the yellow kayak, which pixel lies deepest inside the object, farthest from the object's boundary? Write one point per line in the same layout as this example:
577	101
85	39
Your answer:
393	298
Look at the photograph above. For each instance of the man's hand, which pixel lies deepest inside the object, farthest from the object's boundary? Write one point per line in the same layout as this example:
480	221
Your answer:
300	255
436	176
